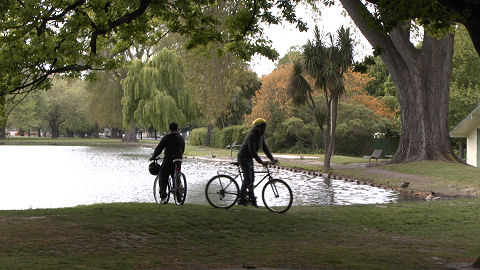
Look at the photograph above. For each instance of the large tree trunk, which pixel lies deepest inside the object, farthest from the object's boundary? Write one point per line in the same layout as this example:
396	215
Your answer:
131	135
54	127
208	136
422	79
3	118
116	133
3	133
423	92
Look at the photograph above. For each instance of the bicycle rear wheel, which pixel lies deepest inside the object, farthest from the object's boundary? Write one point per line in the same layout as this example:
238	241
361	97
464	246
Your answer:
180	193
221	191
277	196
156	190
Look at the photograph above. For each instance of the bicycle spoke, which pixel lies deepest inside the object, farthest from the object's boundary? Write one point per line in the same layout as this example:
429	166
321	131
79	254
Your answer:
221	191
277	196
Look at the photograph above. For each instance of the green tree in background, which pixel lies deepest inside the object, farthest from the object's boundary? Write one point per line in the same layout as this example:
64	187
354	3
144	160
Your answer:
154	93
65	103
326	65
222	85
104	99
465	86
27	114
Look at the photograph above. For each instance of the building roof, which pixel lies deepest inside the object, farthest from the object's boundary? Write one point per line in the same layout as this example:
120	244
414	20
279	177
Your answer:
466	125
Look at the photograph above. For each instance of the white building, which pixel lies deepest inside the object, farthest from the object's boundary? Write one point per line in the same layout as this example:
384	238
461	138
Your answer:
470	128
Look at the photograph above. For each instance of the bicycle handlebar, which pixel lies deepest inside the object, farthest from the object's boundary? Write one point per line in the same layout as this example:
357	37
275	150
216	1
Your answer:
270	163
159	158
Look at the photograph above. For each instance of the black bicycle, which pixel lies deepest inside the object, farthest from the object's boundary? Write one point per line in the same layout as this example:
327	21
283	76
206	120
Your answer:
222	190
178	188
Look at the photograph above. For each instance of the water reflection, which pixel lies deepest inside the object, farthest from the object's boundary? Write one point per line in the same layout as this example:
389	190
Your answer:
63	176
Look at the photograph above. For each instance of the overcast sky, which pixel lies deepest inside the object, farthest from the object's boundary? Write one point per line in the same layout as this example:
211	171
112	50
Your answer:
285	36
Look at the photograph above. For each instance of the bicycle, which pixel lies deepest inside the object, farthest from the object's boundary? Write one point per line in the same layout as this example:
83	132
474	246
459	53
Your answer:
222	190
178	188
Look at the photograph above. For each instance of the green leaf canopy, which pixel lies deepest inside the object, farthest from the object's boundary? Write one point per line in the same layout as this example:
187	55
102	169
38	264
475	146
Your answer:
154	92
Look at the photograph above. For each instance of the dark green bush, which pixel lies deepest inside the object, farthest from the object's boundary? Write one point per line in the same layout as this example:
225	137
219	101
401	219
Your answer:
219	137
357	125
197	136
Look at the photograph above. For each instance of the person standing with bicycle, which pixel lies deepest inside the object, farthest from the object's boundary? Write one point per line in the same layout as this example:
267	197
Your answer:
249	151
174	146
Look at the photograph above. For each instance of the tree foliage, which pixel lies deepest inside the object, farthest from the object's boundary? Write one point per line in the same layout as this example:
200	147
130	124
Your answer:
40	38
465	89
104	100
326	64
272	101
154	92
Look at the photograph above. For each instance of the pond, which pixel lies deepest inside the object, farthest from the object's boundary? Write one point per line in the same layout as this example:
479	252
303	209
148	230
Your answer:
64	176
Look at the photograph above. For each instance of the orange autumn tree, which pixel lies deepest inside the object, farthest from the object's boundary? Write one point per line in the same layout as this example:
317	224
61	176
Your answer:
355	83
272	101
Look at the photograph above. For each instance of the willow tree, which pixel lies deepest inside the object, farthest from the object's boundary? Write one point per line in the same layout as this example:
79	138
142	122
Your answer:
154	94
326	64
104	101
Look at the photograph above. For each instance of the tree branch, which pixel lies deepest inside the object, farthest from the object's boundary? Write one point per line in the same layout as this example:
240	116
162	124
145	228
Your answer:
126	18
45	20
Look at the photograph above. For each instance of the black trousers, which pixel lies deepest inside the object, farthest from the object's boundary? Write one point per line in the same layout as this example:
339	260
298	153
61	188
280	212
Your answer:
168	169
248	177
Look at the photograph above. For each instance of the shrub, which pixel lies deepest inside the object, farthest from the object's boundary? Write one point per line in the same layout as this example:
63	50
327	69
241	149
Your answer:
197	136
233	134
354	134
219	137
215	139
294	136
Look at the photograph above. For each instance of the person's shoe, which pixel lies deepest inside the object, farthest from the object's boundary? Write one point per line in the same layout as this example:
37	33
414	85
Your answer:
243	202
253	203
164	200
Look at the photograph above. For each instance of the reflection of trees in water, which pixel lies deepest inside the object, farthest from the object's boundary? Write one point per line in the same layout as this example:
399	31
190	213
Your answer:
329	192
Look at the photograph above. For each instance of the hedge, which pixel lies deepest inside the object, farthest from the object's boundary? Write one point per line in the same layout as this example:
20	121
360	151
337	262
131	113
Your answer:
220	137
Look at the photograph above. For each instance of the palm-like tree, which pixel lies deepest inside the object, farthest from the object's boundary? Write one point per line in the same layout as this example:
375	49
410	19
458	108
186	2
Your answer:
326	65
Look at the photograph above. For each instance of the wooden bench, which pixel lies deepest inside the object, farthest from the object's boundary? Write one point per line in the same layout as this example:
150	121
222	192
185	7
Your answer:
375	155
232	146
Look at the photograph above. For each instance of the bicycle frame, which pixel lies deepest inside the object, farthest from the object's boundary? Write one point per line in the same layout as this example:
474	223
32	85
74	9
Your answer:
171	184
240	174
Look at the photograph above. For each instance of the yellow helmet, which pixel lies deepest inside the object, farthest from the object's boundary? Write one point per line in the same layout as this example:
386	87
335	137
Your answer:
259	121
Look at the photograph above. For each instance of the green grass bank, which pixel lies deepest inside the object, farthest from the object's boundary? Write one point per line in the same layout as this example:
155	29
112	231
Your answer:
428	235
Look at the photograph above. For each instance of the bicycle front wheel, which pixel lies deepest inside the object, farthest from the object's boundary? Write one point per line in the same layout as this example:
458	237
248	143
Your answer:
277	196
156	190
221	191
180	193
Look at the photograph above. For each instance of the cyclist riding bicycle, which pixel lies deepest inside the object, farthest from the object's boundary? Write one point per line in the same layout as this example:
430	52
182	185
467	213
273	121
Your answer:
174	146
249	151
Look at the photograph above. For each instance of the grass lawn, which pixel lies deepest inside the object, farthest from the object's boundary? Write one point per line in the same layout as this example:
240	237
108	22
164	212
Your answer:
149	236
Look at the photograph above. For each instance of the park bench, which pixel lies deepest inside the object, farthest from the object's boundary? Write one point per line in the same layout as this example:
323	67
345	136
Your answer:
232	146
375	155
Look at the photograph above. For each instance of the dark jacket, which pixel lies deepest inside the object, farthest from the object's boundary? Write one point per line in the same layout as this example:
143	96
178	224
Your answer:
174	146
250	146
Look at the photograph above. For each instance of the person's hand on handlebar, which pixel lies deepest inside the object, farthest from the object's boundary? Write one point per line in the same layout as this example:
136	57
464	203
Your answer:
273	162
